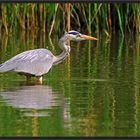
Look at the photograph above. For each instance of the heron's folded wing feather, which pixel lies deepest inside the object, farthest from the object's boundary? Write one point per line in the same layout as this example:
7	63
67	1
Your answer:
36	62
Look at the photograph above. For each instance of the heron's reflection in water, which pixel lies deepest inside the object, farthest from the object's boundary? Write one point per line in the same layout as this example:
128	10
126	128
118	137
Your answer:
32	100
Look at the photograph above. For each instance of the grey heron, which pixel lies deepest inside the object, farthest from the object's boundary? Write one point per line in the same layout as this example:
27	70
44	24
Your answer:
37	62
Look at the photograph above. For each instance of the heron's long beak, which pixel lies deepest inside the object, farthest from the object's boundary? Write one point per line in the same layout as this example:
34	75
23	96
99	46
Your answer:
88	37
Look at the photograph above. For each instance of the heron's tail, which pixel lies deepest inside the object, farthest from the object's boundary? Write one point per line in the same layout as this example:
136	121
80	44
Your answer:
5	68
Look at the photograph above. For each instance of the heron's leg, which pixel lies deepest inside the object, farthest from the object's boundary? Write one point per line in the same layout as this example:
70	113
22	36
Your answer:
28	78
39	79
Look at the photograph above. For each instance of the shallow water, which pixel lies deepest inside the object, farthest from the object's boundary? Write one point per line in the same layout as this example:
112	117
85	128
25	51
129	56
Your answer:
94	92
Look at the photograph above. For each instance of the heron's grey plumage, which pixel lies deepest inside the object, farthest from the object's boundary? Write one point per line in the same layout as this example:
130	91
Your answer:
35	62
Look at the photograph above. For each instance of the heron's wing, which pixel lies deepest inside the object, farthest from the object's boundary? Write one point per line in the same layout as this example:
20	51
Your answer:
36	62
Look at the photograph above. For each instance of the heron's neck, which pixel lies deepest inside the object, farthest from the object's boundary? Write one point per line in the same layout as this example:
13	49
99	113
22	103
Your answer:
66	50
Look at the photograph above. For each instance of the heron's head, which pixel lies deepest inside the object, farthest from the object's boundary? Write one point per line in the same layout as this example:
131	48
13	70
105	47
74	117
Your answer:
76	36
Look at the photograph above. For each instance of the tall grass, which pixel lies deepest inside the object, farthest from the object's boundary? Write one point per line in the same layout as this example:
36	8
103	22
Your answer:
56	17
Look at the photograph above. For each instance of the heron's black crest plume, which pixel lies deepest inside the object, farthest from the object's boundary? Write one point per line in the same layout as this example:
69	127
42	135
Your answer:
73	32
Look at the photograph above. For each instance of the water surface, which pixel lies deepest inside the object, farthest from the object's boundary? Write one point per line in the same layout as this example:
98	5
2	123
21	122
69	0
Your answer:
94	92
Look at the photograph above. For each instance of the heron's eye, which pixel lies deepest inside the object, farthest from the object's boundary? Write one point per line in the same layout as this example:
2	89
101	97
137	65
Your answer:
78	35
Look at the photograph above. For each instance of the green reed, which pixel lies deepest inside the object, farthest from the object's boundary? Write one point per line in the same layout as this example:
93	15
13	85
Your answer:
54	17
